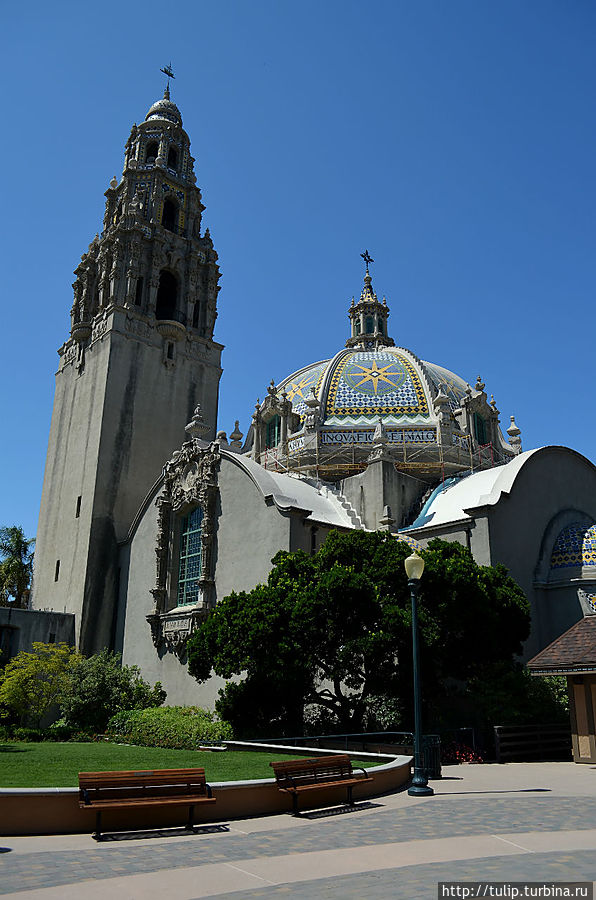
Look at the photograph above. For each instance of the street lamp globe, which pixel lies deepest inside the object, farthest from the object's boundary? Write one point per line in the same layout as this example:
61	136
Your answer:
414	566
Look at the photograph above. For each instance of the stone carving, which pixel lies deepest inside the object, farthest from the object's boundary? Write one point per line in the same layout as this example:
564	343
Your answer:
190	481
99	327
137	326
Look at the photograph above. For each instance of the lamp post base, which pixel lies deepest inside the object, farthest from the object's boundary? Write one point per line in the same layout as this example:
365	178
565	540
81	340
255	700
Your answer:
419	786
420	790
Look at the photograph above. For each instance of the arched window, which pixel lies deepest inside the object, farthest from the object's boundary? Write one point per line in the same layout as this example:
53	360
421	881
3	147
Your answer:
151	151
118	213
370	325
357	326
381	330
169	217
167	295
189	569
172	158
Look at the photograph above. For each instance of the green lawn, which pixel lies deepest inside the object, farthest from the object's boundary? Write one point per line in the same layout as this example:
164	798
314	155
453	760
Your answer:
57	765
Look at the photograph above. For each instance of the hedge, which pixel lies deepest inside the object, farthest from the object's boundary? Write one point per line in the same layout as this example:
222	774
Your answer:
174	727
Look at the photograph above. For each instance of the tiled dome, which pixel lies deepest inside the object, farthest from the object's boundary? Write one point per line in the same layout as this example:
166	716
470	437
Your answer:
164	109
362	386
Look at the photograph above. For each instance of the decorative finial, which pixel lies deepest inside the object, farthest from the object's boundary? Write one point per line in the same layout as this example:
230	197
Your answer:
367	259
515	437
167	70
236	437
197	428
479	384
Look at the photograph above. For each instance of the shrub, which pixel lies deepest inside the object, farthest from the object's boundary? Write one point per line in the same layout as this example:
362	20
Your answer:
29	735
174	727
100	687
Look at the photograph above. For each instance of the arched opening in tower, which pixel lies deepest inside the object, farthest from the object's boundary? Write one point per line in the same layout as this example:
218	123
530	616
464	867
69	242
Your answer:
151	152
167	295
169	218
172	158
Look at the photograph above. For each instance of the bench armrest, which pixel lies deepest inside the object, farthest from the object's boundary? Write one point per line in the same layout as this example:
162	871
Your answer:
85	796
209	791
360	769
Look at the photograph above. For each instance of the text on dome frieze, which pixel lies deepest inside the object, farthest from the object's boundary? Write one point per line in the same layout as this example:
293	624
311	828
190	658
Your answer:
394	436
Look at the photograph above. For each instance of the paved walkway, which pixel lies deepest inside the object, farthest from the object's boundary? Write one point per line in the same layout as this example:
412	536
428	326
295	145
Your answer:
515	822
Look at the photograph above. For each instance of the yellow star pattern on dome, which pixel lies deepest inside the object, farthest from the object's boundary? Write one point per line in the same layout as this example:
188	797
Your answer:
296	387
376	375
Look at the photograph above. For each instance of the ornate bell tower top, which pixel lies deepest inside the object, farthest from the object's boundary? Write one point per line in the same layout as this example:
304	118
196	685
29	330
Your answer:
152	259
368	317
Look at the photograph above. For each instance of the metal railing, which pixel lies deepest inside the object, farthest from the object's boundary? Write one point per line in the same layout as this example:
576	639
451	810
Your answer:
399	742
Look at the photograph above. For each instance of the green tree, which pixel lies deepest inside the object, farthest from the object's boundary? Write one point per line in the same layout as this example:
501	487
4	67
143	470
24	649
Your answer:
34	681
98	687
333	632
16	565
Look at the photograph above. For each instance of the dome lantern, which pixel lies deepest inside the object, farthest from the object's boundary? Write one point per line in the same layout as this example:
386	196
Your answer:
368	317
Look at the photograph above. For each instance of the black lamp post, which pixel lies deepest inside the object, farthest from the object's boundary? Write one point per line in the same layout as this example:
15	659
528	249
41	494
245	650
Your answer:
419	787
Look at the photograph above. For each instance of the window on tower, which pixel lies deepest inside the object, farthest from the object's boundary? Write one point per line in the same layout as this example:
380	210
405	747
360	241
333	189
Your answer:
167	295
370	325
357	329
169	217
189	569
173	158
151	151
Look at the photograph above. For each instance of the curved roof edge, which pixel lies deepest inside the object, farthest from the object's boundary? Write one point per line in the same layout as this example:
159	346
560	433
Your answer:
286	491
319	504
457	501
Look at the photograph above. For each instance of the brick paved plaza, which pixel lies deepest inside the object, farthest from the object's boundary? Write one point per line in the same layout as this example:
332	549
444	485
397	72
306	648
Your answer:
533	822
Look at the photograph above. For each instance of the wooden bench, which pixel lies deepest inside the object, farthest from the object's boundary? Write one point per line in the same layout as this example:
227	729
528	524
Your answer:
296	776
162	787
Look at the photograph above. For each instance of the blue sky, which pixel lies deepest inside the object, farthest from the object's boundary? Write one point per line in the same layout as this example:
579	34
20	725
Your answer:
454	140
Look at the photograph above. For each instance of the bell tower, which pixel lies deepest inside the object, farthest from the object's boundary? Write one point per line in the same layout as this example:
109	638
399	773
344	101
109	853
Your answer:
139	358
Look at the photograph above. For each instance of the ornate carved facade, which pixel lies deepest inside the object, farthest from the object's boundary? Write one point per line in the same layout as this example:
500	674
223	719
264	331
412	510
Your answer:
190	483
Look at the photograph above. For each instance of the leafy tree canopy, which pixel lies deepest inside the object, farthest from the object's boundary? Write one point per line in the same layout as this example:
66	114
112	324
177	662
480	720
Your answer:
34	681
333	632
16	565
99	686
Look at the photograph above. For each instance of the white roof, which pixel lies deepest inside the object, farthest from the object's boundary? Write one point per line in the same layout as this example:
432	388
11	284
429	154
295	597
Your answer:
319	502
454	501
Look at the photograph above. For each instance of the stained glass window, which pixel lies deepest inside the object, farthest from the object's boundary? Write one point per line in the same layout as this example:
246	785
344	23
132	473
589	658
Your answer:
190	558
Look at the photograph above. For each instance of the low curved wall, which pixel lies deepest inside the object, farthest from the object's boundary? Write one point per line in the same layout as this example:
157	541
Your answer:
57	811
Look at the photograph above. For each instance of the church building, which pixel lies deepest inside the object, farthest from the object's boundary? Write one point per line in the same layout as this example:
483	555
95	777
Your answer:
150	515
